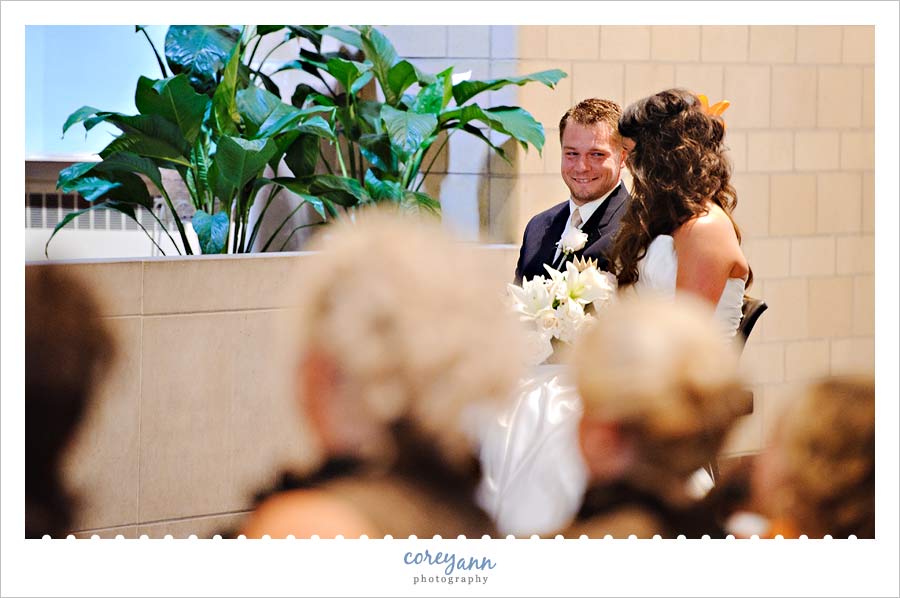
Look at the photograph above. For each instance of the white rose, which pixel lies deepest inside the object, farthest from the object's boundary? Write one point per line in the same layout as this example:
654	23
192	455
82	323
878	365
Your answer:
573	240
572	318
547	321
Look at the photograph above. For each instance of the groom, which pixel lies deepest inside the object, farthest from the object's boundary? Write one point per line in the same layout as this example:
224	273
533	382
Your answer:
592	159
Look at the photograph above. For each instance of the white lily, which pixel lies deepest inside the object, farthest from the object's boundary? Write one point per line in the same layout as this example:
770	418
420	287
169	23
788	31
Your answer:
532	297
593	286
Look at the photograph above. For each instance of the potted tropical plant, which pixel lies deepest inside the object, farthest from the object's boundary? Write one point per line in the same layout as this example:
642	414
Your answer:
219	122
208	120
384	143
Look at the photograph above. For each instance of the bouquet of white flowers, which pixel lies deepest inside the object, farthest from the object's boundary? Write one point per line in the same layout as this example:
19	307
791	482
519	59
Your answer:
557	306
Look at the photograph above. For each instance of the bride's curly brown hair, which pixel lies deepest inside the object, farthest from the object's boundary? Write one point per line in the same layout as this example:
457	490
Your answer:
678	168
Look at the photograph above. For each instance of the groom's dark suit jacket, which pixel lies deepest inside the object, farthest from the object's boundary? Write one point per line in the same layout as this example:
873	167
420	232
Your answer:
545	229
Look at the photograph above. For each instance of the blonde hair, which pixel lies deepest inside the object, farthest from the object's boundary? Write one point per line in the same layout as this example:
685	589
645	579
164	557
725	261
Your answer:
827	441
661	371
414	323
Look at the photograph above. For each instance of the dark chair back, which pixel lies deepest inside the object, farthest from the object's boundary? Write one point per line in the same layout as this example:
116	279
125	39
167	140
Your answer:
751	310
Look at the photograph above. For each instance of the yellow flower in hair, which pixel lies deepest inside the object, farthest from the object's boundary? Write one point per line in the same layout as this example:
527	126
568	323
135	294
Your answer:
716	109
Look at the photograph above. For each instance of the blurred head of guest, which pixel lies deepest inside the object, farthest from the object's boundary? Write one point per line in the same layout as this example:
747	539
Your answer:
817	477
660	391
67	350
401	332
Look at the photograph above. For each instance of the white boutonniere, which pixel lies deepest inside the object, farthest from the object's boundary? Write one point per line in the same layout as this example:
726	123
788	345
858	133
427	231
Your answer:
572	240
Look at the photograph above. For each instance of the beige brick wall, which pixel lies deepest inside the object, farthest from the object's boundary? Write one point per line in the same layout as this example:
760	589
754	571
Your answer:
801	135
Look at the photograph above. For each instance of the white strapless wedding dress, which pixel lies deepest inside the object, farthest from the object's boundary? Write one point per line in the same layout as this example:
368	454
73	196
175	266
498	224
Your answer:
533	473
656	275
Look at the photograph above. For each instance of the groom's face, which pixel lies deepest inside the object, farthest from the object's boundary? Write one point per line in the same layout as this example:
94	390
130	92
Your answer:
591	161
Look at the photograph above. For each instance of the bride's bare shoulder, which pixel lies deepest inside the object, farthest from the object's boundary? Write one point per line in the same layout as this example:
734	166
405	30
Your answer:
713	225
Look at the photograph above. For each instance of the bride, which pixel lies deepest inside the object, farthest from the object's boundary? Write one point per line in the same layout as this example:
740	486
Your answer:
677	236
678	233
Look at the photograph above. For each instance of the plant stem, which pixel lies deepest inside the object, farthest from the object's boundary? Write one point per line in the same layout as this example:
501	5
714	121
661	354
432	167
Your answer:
324	161
438	153
152	240
273	192
340	157
255	48
162	67
236	219
269	53
184	239
352	155
281	226
283	245
245	206
166	230
412	166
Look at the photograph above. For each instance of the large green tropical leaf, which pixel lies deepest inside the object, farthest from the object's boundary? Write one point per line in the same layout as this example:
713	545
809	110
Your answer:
511	121
301	92
435	97
257	107
239	160
91	188
198	177
113	181
145	146
369	113
265	115
404	74
383	190
381	53
75	171
379	151
351	75
175	100
112	205
414	201
132	188
227	117
301	189
343	191
518	123
222	189
83	113
303	155
149	125
268	83
212	231
200	52
149	135
311	32
319	127
466	90
129	162
408	130
267	29
351	38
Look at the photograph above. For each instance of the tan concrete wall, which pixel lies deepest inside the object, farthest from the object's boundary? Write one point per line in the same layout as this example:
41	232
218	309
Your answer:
198	412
